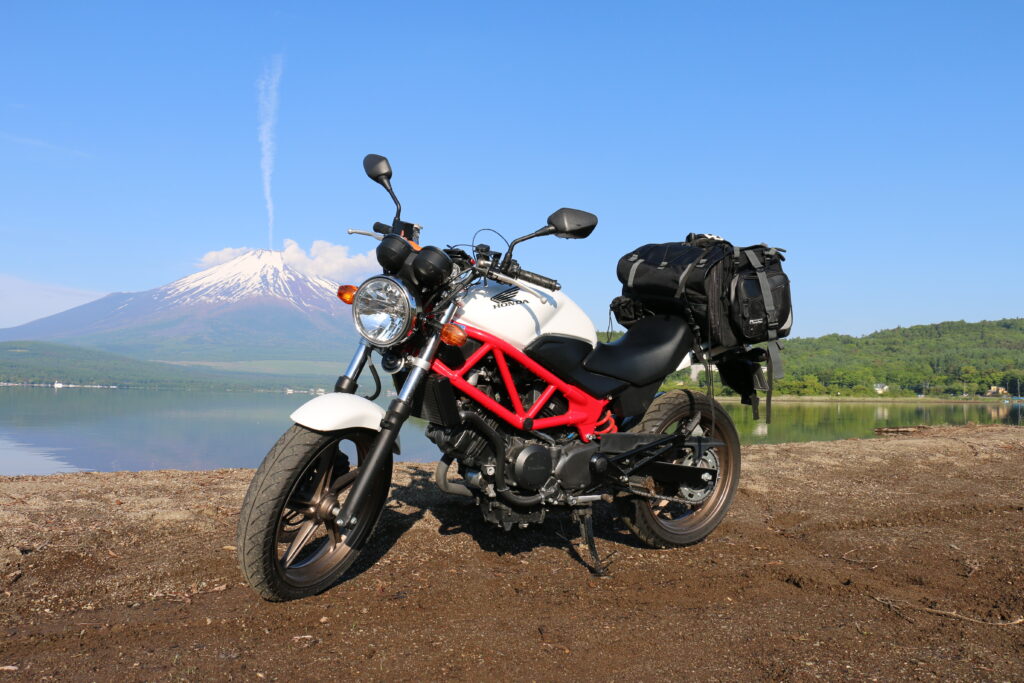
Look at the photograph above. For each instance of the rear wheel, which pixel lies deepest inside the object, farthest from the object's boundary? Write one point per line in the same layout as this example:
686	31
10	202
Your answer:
289	546
694	512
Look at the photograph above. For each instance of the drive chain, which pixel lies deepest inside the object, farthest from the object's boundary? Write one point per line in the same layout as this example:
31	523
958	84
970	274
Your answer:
654	496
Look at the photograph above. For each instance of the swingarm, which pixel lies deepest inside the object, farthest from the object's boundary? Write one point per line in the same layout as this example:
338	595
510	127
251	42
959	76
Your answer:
627	455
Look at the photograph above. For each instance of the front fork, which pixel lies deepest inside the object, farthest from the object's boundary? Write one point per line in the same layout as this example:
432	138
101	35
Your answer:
346	384
398	412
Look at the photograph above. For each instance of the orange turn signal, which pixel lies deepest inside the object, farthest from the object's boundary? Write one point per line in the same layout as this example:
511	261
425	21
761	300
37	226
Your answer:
347	293
453	335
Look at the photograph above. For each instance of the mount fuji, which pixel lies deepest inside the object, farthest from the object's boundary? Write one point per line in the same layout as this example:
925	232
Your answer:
254	307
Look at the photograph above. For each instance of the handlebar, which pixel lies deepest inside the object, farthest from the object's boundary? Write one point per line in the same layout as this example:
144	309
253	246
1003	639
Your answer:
486	262
534	278
409	231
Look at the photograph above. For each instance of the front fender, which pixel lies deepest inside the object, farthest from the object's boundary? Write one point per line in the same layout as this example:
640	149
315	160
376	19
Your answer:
334	412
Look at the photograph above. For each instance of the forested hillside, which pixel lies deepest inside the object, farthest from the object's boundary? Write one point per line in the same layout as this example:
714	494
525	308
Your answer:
944	358
947	358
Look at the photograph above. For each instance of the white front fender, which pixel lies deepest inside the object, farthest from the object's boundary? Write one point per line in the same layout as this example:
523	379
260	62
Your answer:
333	412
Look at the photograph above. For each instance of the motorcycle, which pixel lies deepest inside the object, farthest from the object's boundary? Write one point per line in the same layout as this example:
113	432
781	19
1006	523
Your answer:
532	411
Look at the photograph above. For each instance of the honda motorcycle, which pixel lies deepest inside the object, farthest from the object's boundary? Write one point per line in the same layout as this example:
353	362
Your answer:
530	412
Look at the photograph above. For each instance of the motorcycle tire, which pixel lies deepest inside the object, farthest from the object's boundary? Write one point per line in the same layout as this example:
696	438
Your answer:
288	545
665	524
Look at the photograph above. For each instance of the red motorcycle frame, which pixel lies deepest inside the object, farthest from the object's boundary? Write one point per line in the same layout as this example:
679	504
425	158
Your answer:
590	416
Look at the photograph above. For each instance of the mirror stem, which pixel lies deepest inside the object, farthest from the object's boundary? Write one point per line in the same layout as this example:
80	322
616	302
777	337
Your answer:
383	180
507	261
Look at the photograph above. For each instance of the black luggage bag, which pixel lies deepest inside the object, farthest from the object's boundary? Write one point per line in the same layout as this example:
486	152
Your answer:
731	297
689	279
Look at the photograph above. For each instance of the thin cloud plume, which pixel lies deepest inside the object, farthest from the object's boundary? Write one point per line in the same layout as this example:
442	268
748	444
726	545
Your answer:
267	86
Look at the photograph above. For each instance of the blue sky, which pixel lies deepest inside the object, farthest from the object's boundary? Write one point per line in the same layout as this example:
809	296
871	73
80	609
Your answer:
881	143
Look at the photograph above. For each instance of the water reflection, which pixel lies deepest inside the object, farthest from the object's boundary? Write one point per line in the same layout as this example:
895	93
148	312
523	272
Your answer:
108	430
45	431
20	458
822	421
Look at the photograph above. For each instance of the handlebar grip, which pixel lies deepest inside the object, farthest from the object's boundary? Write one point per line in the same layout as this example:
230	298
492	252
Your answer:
539	280
382	228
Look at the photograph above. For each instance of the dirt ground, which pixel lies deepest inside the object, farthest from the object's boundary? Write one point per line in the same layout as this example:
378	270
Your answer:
884	558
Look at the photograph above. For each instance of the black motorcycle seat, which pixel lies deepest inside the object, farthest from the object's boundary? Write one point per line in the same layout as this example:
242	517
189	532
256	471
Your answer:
651	349
564	356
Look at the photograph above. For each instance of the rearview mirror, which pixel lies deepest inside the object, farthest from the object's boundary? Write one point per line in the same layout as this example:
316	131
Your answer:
378	169
572	223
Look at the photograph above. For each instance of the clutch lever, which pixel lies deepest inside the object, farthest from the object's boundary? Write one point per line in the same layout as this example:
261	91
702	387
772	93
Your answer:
368	234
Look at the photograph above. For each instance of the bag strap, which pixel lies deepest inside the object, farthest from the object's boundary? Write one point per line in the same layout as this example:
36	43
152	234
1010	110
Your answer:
776	369
681	286
766	291
632	271
774	346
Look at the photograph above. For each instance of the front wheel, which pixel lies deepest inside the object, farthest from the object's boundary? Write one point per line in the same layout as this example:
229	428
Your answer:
289	546
692	513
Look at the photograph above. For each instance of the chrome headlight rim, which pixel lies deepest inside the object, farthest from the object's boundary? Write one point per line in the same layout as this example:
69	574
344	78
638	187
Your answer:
409	306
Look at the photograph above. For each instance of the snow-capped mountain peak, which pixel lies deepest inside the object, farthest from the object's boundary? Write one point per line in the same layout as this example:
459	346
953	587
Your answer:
254	307
255	274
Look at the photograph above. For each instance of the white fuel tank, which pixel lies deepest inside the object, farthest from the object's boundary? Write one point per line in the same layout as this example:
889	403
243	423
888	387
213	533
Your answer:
519	316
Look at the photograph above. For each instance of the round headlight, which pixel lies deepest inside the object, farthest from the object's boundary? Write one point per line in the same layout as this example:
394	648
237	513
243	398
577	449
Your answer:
383	311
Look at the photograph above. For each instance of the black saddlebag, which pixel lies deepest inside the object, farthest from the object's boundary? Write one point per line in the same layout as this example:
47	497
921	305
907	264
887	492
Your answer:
731	296
759	299
688	279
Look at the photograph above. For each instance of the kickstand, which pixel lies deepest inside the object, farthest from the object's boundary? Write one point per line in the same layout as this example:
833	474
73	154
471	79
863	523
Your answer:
585	518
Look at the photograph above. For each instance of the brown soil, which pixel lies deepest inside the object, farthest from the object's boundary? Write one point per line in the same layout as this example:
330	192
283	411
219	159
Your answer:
882	558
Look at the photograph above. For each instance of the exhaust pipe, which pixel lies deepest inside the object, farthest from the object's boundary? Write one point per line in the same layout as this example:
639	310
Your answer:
441	479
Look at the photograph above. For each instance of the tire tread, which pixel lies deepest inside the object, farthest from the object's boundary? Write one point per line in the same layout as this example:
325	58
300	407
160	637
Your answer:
261	506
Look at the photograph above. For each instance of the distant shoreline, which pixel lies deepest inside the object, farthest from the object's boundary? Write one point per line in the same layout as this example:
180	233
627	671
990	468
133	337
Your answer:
133	387
868	399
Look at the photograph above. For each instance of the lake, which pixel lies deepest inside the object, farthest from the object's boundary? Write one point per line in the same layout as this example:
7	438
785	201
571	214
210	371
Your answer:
43	431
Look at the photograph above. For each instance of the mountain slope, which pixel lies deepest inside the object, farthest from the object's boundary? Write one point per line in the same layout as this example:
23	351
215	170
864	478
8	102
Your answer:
256	274
252	307
46	363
